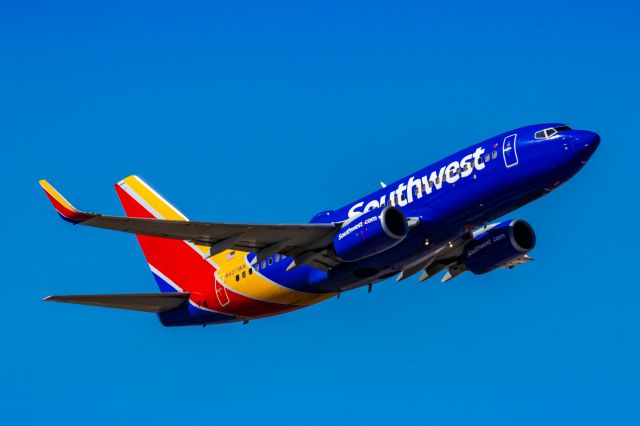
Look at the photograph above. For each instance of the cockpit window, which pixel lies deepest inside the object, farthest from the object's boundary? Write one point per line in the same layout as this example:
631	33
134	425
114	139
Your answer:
547	133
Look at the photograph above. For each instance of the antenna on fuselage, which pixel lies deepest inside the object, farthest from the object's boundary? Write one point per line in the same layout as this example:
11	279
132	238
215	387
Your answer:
383	185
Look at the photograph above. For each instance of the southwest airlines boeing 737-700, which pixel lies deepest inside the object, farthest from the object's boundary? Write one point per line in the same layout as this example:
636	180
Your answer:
434	220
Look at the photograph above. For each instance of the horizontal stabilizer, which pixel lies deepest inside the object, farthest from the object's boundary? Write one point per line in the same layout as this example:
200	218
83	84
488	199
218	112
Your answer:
146	302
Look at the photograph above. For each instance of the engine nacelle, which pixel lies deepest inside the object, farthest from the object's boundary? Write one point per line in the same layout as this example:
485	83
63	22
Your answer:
370	233
498	245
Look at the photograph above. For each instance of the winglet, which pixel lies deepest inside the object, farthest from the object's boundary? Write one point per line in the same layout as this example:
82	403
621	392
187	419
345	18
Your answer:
64	208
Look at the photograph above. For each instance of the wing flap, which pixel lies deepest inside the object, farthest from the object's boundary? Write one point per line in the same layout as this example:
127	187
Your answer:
145	302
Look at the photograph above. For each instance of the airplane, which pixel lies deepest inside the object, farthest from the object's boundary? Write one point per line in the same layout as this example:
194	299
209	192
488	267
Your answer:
434	220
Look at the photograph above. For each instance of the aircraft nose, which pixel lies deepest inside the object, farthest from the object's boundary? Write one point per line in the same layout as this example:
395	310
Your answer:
585	142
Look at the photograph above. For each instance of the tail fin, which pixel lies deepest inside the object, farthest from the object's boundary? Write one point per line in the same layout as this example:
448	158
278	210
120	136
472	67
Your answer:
172	262
144	200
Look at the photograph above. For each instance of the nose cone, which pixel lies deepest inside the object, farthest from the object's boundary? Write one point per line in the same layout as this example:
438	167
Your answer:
584	143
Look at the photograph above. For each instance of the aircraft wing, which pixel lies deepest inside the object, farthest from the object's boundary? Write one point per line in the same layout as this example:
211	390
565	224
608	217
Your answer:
145	302
304	242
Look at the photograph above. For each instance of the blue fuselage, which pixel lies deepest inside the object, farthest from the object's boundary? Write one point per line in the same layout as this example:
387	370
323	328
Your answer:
463	191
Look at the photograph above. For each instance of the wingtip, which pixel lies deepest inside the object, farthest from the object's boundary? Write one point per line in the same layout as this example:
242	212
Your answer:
64	208
48	188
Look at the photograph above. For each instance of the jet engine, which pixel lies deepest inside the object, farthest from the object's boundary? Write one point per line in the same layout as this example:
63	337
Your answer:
370	233
498	246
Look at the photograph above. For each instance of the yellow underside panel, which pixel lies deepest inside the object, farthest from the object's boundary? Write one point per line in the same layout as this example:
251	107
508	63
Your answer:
255	285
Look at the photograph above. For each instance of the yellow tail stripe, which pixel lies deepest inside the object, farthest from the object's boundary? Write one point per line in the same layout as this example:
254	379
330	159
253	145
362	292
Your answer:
151	197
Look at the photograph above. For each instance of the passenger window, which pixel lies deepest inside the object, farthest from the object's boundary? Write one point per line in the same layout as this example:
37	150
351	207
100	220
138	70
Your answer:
244	274
277	258
237	277
270	261
250	271
264	264
486	158
494	154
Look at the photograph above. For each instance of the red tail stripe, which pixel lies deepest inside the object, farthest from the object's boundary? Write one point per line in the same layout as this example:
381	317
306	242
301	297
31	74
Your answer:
187	269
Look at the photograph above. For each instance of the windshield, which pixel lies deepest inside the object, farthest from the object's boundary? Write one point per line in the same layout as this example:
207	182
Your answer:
547	133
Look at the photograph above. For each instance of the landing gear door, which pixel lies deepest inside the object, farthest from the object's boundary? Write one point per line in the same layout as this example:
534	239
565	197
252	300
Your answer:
509	151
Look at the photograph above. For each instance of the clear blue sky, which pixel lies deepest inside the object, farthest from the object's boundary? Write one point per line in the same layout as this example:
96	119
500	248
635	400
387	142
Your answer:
270	112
